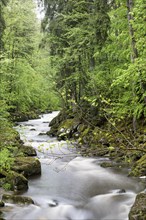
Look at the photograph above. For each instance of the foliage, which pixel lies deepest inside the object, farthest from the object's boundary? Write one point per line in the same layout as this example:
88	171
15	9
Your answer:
6	160
24	74
72	46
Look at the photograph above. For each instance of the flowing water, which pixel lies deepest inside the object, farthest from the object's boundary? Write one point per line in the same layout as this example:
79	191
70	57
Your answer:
71	187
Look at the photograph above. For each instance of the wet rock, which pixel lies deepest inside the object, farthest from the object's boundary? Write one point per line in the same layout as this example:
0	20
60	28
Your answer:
28	125
122	191
139	168
42	133
28	166
16	181
55	123
2	204
32	129
20	117
53	203
107	164
138	210
16	199
67	128
28	150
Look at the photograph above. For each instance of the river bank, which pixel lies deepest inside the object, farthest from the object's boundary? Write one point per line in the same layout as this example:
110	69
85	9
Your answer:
102	137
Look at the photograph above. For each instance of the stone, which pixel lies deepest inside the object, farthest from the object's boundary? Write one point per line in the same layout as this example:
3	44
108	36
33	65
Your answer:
28	150
53	203
16	199
28	166
139	168
16	181
42	133
122	191
138	210
2	204
67	128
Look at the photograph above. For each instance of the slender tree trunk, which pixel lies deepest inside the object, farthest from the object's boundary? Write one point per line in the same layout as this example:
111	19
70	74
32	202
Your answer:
134	52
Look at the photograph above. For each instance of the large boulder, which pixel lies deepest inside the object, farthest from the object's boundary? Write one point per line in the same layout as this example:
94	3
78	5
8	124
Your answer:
28	166
55	123
27	150
16	181
2	204
138	210
19	117
67	128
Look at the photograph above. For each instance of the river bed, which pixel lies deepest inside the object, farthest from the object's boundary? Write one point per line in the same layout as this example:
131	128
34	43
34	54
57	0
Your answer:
71	187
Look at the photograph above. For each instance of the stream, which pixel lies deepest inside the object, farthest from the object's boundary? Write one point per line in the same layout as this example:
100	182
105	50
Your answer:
71	187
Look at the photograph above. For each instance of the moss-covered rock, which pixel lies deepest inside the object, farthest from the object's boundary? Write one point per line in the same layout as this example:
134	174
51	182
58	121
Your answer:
24	116
67	128
27	150
55	123
2	204
16	181
139	168
27	166
1	215
138	210
16	199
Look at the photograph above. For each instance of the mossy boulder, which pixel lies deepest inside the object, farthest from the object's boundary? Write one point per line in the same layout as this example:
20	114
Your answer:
138	210
21	116
56	120
27	150
28	166
16	199
67	128
55	123
139	168
2	204
16	181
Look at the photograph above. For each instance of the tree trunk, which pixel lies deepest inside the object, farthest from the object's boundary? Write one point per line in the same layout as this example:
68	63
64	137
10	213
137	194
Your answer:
134	52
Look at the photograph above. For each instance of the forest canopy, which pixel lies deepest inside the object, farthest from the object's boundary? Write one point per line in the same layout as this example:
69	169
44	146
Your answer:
97	49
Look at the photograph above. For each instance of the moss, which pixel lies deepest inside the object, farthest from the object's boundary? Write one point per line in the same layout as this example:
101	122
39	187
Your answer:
81	128
138	210
27	150
28	166
67	128
2	204
68	123
139	168
106	164
16	181
16	199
